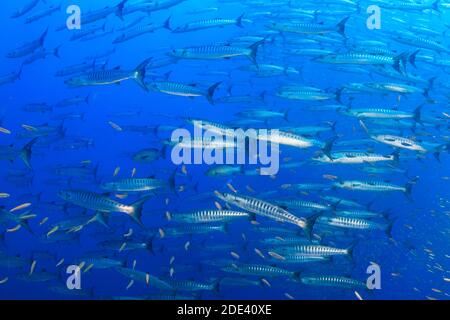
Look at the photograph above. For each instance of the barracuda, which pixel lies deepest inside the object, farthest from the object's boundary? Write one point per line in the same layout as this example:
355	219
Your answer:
183	90
362	214
209	23
333	281
260	270
267	210
134	185
380	113
217	52
28	48
397	62
302	258
356	158
305	94
399	142
351	223
376	186
194	229
209	216
310	28
314	250
115	76
101	203
299	204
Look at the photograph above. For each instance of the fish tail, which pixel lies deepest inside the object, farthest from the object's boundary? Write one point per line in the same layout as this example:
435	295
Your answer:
340	27
309	225
400	61
166	24
409	185
119	9
210	92
149	245
137	206
239	21
216	286
56	51
328	147
254	51
24	222
412	58
25	154
418	114
100	217
140	73
43	36
435	6
296	275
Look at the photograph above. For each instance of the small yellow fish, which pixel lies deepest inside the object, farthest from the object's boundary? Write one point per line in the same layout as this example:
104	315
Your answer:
4	195
60	262
33	267
287	295
133	172
266	282
29	128
20	207
276	255
3	281
130	284
186	245
116	171
16	228
129	233
89	267
358	295
218	205
147	279
234	255
184	170
172	259
115	126
259	253
4	130
122	247
161	233
168	216
43	221
231	188
171	272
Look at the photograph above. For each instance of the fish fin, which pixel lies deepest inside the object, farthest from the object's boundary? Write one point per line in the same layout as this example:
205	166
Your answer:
254	51
166	24
119	9
137	206
25	154
309	224
239	21
140	73
340	27
210	92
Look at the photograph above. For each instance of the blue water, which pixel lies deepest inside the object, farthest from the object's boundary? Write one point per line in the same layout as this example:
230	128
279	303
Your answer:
414	264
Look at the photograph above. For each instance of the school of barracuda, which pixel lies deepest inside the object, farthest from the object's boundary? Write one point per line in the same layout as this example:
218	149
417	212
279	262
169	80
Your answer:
363	114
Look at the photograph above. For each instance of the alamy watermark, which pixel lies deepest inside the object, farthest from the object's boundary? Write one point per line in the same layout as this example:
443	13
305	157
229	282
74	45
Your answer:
227	146
373	22
73	22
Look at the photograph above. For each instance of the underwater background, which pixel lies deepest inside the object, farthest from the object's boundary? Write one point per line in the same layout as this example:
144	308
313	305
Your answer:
92	133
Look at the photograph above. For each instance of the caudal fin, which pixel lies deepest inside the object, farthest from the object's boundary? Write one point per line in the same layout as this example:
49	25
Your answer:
210	92
340	27
25	154
254	51
140	71
137	206
119	9
239	21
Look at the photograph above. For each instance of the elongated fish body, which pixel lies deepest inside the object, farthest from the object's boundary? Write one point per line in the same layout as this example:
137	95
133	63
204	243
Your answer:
299	204
42	14
263	208
193	229
313	250
379	113
211	52
376	186
25	9
94	201
409	5
361	214
136	32
10	78
309	28
333	281
114	76
183	90
395	87
342	202
208	23
355	158
134	185
259	270
205	144
285	241
187	285
304	93
100	262
28	48
302	259
206	216
350	223
399	142
289	139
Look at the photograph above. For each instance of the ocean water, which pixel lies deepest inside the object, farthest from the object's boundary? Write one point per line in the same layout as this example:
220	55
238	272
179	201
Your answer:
93	139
